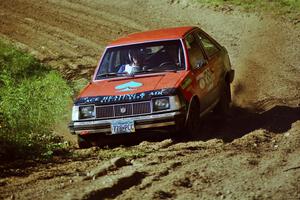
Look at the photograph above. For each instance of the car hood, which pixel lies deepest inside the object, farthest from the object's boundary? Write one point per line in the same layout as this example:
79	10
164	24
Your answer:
139	84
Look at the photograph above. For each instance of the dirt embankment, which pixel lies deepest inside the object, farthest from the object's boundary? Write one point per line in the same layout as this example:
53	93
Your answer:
255	153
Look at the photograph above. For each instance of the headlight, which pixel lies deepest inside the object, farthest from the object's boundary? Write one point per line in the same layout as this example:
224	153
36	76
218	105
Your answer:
75	113
86	112
175	103
161	104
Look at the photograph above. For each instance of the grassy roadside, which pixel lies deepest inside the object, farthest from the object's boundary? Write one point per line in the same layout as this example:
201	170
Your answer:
286	8
33	98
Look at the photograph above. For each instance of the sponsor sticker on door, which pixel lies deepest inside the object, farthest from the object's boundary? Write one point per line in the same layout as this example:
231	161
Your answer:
206	79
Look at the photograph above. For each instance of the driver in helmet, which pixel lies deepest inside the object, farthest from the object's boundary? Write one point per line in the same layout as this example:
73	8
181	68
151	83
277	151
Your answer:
135	64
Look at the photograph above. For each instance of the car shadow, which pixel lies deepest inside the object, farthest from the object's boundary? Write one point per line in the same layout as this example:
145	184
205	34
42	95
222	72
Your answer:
130	139
242	121
239	122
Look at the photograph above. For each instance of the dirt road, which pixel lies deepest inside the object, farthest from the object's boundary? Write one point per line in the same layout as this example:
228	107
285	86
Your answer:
255	153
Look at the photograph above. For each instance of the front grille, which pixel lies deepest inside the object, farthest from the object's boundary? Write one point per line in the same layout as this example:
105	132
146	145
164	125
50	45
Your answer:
120	110
123	110
141	108
104	111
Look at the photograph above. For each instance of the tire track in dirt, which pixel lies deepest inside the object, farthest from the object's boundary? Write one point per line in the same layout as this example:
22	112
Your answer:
106	15
43	38
72	24
105	181
47	45
63	18
81	20
224	174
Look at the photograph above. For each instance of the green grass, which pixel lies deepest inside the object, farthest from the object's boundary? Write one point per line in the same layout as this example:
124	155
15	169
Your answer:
33	98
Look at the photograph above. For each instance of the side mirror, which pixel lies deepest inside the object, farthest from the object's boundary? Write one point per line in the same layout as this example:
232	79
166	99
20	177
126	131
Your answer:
201	63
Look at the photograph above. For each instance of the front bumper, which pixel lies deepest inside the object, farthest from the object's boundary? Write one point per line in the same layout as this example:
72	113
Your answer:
153	121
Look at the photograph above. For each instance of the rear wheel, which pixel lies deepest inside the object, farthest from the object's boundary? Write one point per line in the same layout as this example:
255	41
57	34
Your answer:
223	106
83	142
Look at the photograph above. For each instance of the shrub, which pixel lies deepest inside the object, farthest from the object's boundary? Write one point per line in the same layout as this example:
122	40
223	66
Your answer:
32	99
78	84
34	104
19	65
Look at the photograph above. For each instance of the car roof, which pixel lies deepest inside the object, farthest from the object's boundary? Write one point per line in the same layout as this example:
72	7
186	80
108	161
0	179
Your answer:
153	35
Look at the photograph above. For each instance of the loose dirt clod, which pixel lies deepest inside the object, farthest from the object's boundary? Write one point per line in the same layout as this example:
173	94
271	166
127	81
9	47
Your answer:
102	170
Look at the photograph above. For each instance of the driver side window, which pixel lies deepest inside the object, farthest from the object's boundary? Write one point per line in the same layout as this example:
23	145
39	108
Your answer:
194	50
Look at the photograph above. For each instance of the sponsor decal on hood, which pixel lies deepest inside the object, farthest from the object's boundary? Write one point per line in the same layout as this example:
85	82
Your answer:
125	98
129	86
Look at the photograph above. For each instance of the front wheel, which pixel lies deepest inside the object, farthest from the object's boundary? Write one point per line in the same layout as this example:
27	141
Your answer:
83	142
193	122
189	127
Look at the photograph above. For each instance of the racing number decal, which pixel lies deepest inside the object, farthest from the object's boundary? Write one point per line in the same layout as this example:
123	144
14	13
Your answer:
206	79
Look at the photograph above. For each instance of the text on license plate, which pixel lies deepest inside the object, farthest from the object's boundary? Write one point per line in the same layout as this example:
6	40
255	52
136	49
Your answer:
122	126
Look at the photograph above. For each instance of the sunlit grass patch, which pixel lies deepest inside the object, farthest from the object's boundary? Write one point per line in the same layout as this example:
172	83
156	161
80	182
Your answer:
32	99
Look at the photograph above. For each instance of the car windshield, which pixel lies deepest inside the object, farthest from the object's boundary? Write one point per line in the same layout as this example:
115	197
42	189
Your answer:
142	58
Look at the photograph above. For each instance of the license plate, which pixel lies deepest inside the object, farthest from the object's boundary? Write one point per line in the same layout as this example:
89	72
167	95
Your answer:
122	126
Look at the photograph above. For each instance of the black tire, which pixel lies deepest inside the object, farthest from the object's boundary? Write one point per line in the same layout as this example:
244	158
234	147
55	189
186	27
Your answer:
223	106
193	122
191	127
83	142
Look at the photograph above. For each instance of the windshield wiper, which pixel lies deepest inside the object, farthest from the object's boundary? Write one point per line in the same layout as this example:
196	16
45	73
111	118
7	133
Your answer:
170	70
110	74
156	71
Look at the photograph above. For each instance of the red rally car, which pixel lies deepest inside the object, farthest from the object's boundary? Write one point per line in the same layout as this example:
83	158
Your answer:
167	78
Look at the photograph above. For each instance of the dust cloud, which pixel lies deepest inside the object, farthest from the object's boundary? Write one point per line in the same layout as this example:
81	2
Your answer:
263	53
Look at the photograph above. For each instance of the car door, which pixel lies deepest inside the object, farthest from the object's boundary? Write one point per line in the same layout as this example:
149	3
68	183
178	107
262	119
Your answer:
213	73
202	78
